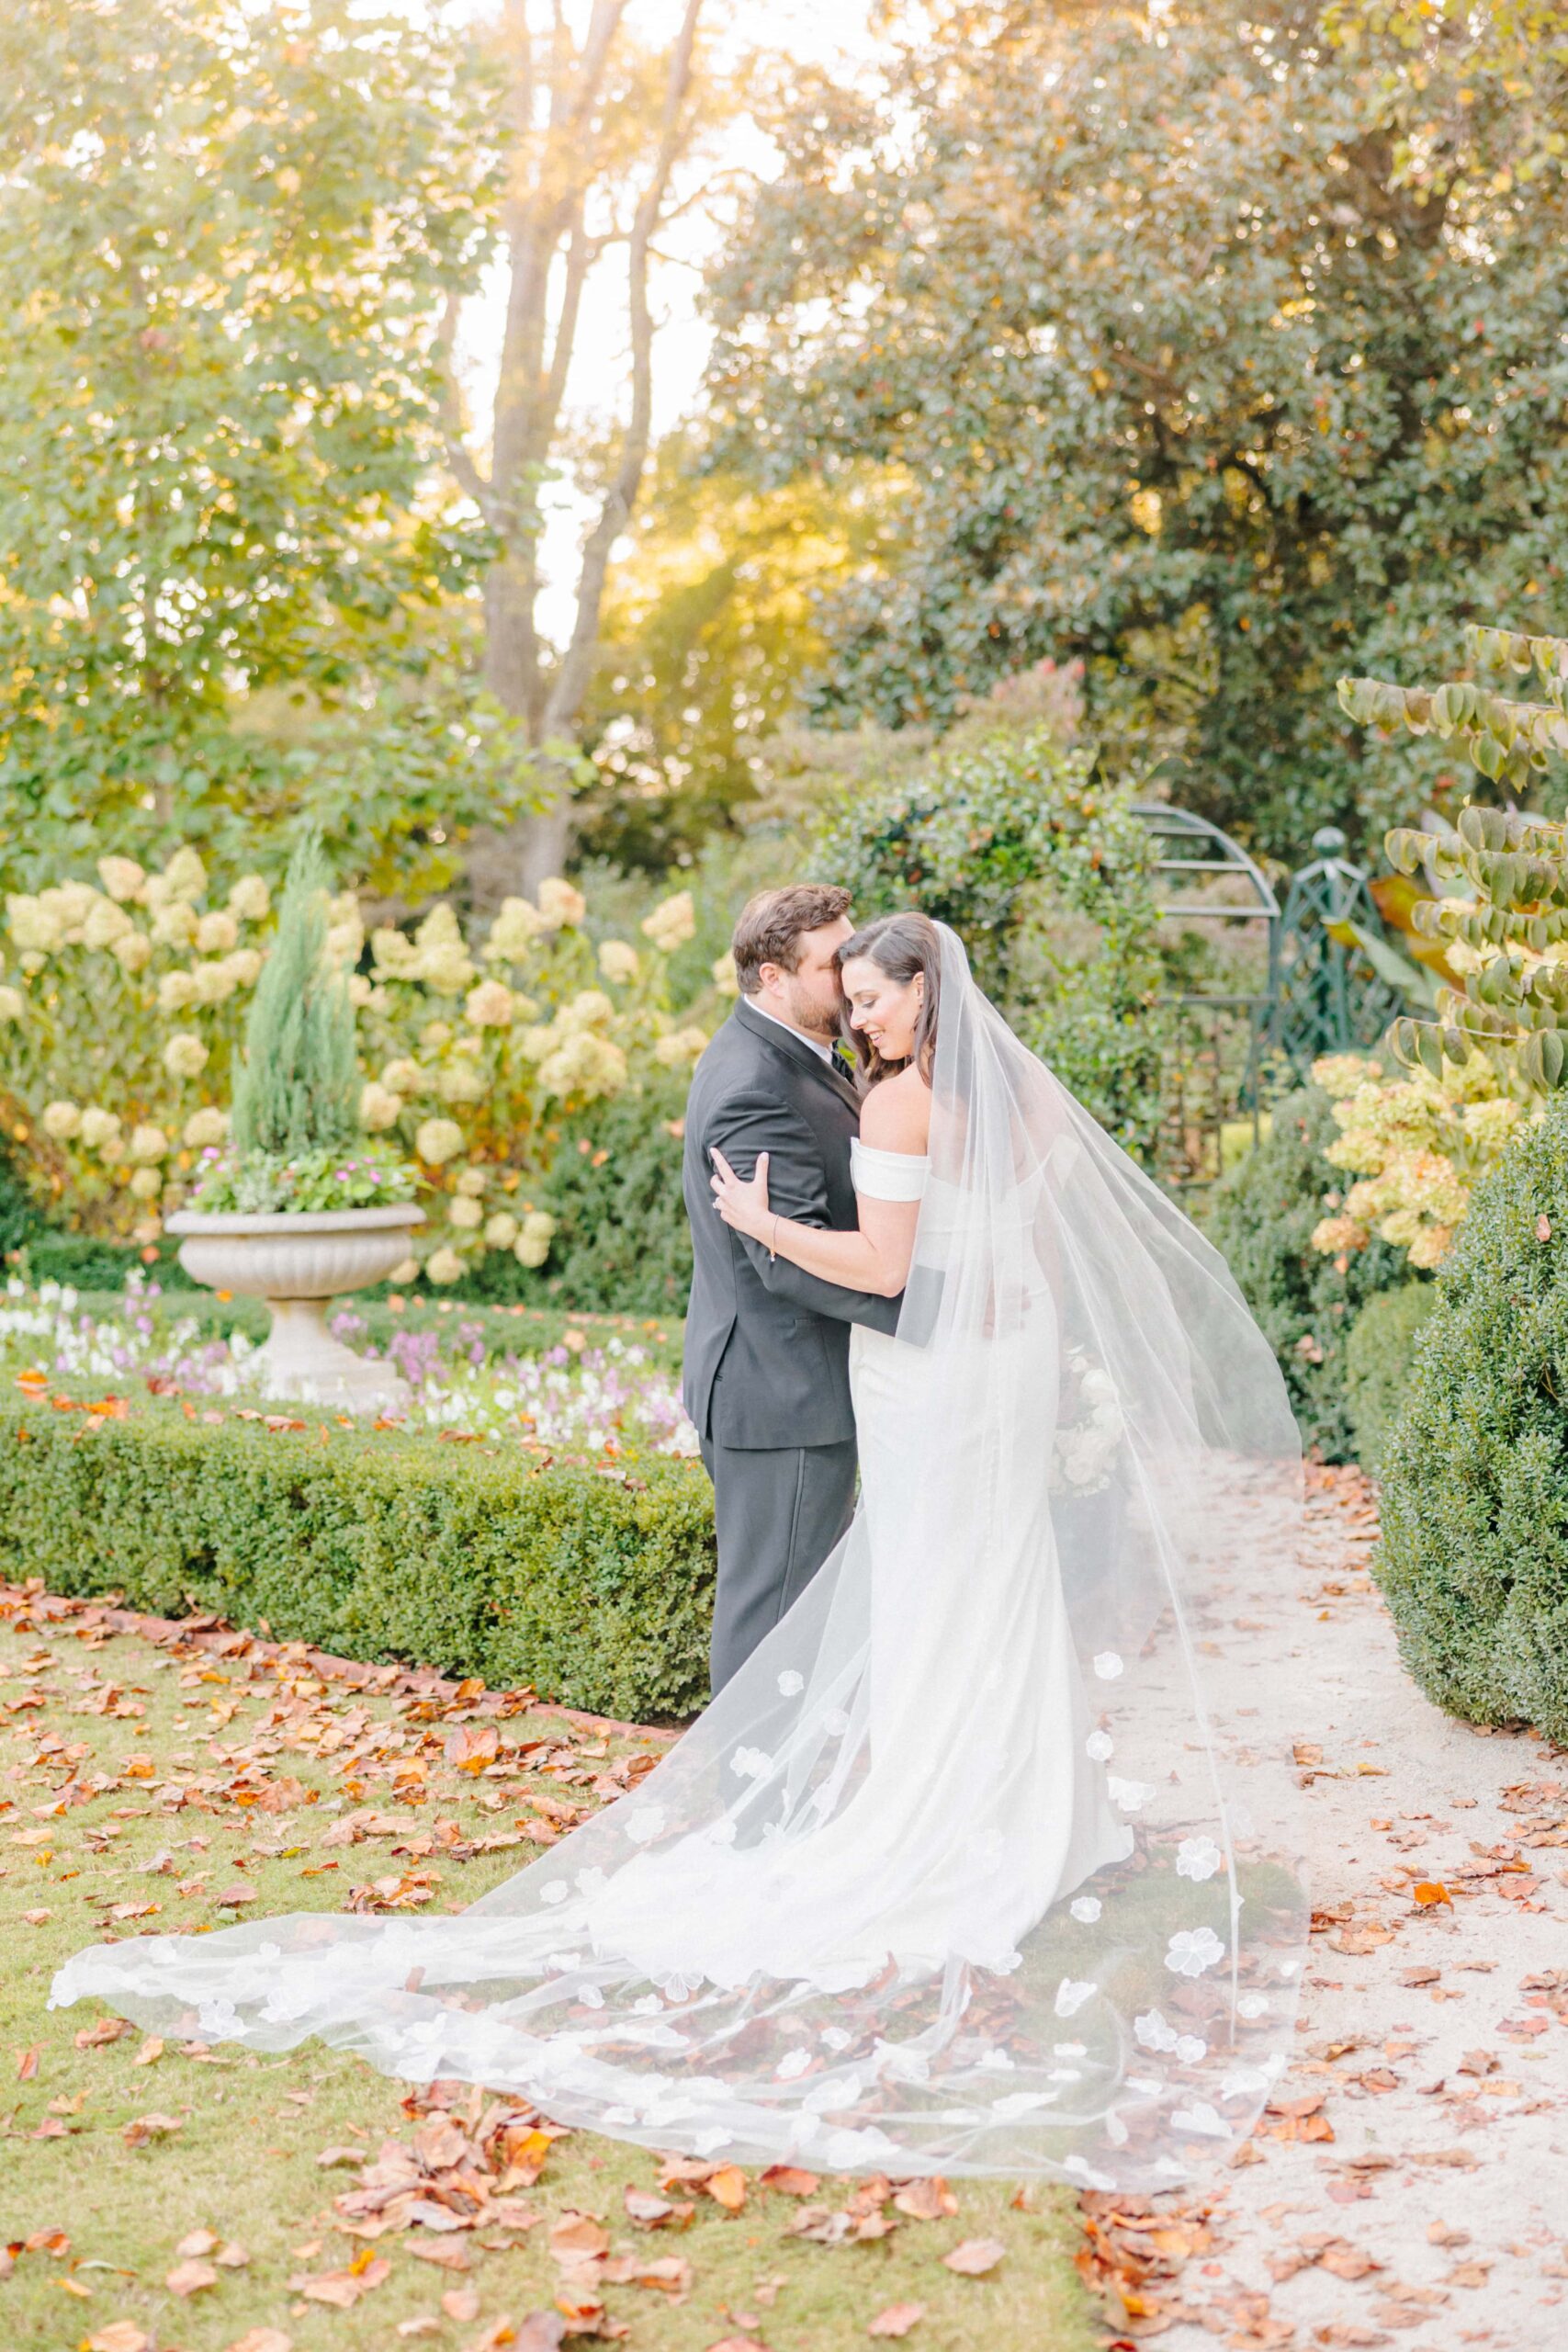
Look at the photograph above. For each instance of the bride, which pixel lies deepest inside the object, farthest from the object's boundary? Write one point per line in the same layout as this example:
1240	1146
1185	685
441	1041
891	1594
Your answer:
969	1869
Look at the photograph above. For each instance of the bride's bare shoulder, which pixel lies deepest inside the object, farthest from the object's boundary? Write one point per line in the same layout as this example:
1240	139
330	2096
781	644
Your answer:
897	1114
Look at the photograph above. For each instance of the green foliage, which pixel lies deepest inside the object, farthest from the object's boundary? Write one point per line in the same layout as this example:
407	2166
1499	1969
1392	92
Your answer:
229	235
1473	1560
365	1176
1378	1357
621	1239
1501	912
709	626
297	1088
1260	1216
1044	873
594	1588
1165	362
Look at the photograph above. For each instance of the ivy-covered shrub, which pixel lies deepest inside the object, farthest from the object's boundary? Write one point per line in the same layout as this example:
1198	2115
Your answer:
1045	872
1379	1355
1261	1218
593	1586
1473	1560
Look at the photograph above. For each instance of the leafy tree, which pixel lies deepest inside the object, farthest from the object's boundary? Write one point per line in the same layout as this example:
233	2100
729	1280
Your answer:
1171	363
227	236
709	626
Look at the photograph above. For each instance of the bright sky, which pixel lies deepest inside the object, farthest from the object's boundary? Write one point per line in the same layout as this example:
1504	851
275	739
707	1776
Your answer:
824	31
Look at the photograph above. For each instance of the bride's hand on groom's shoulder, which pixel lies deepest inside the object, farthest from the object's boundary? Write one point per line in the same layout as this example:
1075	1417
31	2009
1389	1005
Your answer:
742	1204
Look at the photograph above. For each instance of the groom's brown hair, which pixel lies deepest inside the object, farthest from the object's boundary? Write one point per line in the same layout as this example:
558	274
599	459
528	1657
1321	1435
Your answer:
772	924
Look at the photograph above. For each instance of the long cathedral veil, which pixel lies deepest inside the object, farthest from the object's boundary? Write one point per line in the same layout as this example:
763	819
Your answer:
984	1862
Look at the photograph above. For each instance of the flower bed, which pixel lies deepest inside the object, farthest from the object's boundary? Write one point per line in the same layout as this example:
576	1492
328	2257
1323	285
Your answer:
599	1387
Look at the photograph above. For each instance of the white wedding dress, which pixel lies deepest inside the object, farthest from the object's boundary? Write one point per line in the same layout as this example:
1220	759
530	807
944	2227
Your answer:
963	1871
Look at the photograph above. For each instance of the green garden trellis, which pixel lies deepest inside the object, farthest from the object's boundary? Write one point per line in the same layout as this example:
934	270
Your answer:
1325	993
1215	1068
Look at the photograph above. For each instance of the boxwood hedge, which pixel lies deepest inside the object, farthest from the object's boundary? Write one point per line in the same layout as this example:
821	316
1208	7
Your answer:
1260	1218
1474	1553
592	1583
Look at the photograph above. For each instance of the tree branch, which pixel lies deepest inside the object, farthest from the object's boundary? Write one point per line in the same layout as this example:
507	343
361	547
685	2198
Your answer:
577	663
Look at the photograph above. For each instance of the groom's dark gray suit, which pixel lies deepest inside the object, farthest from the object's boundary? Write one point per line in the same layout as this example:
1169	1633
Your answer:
767	1369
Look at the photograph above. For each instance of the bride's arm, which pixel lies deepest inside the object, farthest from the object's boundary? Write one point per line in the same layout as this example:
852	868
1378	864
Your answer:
876	1257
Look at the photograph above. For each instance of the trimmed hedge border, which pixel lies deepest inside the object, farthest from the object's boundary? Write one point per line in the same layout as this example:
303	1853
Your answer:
593	1586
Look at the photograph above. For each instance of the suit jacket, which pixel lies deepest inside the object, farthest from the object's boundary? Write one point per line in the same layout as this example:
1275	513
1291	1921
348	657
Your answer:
767	1358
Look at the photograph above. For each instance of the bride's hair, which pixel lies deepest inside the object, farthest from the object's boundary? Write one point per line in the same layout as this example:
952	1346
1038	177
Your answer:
902	947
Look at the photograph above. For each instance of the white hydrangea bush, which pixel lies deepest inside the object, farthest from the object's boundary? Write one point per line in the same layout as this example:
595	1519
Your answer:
122	1011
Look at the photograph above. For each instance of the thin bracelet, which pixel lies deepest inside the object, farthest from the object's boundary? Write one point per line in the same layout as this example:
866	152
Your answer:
773	1244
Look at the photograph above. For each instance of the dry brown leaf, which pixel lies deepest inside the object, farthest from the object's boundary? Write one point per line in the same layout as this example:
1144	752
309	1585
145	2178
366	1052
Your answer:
149	2052
578	2237
897	2320
27	2063
341	2290
461	2303
651	2212
196	2242
789	2180
447	2254
190	2278
121	2336
263	2340
926	2200
974	2257
150	2127
726	2185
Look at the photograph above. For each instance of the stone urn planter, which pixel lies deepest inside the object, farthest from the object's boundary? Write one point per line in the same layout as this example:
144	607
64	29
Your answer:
297	1260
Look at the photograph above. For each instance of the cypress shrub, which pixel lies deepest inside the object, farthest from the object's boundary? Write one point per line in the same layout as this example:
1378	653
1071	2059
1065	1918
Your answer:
1473	1560
1378	1357
1260	1218
593	1583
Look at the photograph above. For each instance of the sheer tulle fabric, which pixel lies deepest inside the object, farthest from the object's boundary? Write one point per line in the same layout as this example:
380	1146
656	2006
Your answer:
971	1869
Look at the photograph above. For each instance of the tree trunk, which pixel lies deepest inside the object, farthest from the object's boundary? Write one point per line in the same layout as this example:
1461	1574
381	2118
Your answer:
554	170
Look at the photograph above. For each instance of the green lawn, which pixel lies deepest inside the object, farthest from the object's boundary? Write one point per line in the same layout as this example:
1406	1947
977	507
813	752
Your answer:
136	1774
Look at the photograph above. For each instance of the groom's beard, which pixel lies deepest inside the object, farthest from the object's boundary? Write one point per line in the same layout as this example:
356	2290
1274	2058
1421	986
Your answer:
808	1014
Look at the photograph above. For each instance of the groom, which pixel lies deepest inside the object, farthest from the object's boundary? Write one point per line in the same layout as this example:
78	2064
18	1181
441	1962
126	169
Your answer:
767	1371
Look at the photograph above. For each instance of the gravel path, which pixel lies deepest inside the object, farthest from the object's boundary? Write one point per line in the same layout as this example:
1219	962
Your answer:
1412	2174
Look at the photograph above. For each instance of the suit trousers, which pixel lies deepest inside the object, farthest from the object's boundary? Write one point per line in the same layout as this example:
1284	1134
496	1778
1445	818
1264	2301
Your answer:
777	1514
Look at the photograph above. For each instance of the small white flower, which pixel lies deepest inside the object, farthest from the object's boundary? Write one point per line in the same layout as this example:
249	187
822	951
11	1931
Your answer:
790	1682
1099	1745
589	1882
676	1986
793	2064
645	1823
1069	2049
836	1722
555	1891
1082	2170
591	1997
1071	1994
1201	2116
1253	2006
1153	2032
1108	1665
1086	1908
1189	2049
1198	1858
723	1832
1131	1795
751	1763
1193	1950
1021	2103
1246	2082
834	2038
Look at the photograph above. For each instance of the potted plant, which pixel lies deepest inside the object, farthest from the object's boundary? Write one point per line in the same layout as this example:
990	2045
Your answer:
302	1205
